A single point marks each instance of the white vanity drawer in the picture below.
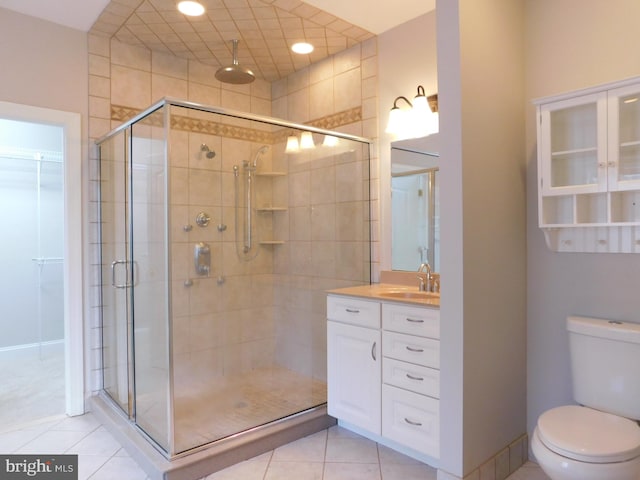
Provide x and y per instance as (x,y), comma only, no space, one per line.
(411,419)
(353,311)
(419,350)
(415,378)
(412,320)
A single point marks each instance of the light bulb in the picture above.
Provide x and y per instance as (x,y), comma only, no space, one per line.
(306,140)
(292,144)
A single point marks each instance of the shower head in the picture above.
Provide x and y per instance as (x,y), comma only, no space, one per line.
(234,73)
(209,153)
(262,150)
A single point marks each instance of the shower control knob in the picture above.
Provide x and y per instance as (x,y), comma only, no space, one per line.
(220,280)
(222,227)
(187,228)
(188,282)
(203,219)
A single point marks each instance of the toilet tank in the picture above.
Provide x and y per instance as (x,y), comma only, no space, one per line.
(605,364)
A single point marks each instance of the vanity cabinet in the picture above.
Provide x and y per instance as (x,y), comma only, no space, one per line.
(589,169)
(411,377)
(353,361)
(383,370)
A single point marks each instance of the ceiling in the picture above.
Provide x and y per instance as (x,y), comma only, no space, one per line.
(265,28)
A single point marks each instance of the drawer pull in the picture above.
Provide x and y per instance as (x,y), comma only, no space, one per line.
(415,320)
(415,424)
(351,310)
(415,350)
(373,351)
(411,377)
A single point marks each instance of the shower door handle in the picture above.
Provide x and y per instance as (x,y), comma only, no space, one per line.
(113,274)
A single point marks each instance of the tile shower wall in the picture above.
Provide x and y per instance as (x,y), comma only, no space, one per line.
(338,93)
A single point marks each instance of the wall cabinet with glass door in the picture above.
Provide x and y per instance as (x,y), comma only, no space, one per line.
(589,169)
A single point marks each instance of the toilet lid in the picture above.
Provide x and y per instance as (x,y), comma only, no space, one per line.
(589,435)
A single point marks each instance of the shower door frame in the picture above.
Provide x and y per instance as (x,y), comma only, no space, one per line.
(166,103)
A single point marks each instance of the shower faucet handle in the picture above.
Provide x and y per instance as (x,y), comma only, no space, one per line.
(202,258)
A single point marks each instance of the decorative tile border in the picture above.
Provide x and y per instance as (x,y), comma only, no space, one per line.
(122,114)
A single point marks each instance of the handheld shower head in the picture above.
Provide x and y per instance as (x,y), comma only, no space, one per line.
(261,151)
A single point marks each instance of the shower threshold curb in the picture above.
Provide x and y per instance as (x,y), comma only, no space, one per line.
(214,457)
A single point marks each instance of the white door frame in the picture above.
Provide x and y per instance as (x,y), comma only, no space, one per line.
(72,267)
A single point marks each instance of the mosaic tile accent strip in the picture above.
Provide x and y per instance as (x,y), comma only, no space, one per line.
(122,113)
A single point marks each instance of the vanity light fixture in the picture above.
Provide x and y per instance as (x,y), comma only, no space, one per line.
(191,8)
(398,119)
(420,120)
(302,48)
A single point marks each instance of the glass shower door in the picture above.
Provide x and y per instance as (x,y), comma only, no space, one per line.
(150,264)
(116,274)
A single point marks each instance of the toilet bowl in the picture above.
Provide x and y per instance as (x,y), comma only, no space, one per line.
(580,443)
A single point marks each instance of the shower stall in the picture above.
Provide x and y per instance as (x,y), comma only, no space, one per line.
(217,244)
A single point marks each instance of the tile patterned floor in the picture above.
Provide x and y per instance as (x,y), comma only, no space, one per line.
(333,454)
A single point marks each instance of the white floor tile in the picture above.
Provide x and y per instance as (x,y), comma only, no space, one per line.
(253,469)
(351,450)
(89,464)
(307,449)
(390,456)
(99,442)
(408,472)
(81,423)
(119,468)
(52,442)
(351,471)
(294,471)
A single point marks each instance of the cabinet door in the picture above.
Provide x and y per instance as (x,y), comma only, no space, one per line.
(572,138)
(354,375)
(624,138)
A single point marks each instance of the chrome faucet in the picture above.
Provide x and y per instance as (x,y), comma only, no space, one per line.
(425,286)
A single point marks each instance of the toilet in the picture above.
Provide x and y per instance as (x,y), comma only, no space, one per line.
(599,439)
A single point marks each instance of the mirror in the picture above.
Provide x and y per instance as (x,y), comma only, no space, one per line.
(415,206)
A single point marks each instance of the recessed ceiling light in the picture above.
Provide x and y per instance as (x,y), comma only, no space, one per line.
(193,9)
(302,47)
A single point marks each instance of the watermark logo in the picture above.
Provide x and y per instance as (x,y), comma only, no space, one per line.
(49,467)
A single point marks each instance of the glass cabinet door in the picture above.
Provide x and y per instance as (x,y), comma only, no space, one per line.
(573,142)
(624,138)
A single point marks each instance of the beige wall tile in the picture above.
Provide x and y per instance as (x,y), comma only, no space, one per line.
(130,87)
(130,56)
(163,86)
(321,99)
(347,90)
(169,65)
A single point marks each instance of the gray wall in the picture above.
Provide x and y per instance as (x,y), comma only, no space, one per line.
(571,44)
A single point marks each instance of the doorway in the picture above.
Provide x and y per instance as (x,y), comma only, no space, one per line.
(41,360)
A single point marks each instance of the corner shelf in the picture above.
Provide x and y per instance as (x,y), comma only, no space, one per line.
(272,209)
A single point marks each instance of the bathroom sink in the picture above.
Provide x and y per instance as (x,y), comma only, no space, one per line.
(409,294)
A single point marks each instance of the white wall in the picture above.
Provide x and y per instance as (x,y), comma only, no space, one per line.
(406,59)
(572,44)
(481,94)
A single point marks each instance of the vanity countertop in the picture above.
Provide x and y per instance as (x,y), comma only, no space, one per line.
(391,292)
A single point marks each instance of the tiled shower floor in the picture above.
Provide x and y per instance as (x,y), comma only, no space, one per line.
(234,403)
